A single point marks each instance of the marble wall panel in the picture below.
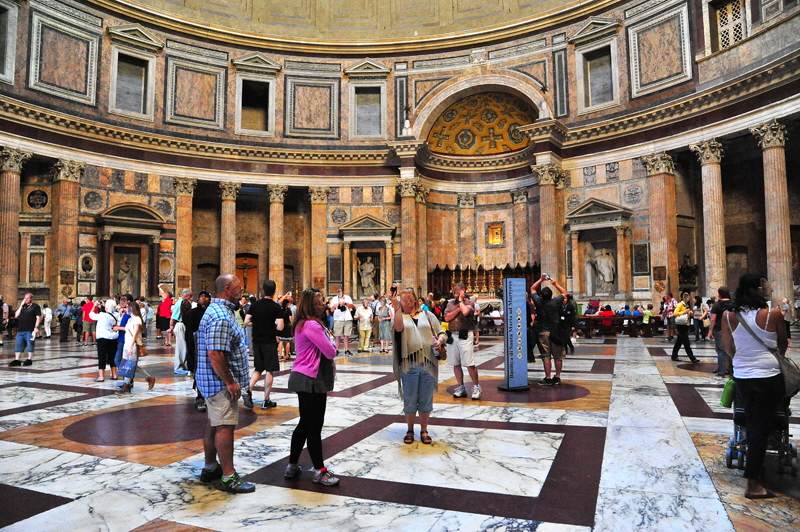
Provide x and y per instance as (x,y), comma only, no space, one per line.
(344,195)
(423,87)
(625,170)
(87,241)
(493,199)
(195,94)
(64,60)
(312,107)
(312,110)
(361,210)
(442,198)
(640,234)
(167,245)
(495,255)
(537,70)
(442,237)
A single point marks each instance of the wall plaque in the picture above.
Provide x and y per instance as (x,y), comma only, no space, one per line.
(659,273)
(66,277)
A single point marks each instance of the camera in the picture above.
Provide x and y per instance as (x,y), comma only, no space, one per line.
(548,278)
(342,307)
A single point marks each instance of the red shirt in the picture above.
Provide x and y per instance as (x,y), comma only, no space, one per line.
(606,314)
(87,308)
(165,308)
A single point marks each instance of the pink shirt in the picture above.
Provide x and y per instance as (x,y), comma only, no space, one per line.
(312,341)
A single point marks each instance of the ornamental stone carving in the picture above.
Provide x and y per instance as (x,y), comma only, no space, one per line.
(319,194)
(621,230)
(406,148)
(467,199)
(11,159)
(519,195)
(277,193)
(770,134)
(229,191)
(549,174)
(658,163)
(422,194)
(66,170)
(184,186)
(708,152)
(407,187)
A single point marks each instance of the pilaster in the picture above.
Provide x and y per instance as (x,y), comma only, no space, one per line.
(277,195)
(64,244)
(551,178)
(184,191)
(319,236)
(663,226)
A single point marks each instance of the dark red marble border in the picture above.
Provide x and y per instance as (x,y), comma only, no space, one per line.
(87,393)
(17,504)
(568,495)
(690,403)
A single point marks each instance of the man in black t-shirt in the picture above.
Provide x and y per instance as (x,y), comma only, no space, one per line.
(29,315)
(266,317)
(548,320)
(722,304)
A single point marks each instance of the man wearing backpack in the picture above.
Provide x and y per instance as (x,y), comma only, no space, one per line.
(550,333)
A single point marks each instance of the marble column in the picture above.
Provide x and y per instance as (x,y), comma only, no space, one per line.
(104,265)
(407,186)
(184,190)
(519,198)
(277,195)
(624,287)
(64,244)
(551,177)
(710,155)
(663,222)
(578,281)
(11,161)
(319,237)
(422,241)
(305,278)
(153,267)
(227,237)
(388,277)
(772,139)
(348,286)
(466,226)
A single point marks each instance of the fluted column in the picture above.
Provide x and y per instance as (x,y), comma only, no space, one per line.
(550,177)
(184,190)
(624,287)
(772,139)
(64,244)
(663,225)
(422,240)
(11,161)
(578,284)
(319,236)
(710,155)
(519,198)
(153,266)
(407,186)
(227,237)
(277,195)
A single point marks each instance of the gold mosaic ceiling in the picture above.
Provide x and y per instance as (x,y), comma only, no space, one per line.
(482,124)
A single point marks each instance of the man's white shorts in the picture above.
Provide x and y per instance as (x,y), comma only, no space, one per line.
(461,352)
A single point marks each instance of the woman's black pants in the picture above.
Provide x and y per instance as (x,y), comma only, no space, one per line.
(309,429)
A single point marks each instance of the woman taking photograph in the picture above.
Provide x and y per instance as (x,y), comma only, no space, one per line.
(311,378)
(683,316)
(418,336)
(759,382)
(106,338)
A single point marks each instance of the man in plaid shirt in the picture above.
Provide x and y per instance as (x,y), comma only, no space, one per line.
(222,372)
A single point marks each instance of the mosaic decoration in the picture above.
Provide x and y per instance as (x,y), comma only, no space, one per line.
(91,175)
(140,181)
(333,195)
(483,124)
(573,201)
(118,178)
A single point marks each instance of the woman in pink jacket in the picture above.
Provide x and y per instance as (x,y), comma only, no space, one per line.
(311,378)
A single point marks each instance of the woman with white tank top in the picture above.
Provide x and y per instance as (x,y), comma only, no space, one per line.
(759,383)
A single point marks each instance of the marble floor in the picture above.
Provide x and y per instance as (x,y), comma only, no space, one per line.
(629,441)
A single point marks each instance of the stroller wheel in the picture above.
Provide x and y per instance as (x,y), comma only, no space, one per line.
(728,458)
(740,460)
(731,443)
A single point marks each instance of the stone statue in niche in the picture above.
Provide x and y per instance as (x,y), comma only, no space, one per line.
(605,269)
(687,272)
(367,271)
(125,276)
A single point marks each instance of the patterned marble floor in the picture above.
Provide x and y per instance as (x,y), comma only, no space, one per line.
(630,441)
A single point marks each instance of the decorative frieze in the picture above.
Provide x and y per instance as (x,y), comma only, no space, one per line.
(708,152)
(658,163)
(12,159)
(770,134)
(184,186)
(277,193)
(467,199)
(319,194)
(66,170)
(229,191)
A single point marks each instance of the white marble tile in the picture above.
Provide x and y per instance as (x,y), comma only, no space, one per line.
(18,396)
(467,522)
(708,425)
(642,411)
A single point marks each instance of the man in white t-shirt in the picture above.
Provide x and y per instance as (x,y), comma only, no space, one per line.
(342,319)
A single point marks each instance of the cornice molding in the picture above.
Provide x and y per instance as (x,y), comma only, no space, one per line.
(447,163)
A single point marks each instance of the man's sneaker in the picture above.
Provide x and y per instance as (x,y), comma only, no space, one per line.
(27,362)
(200,404)
(460,391)
(292,470)
(247,399)
(476,392)
(208,476)
(325,478)
(545,382)
(348,353)
(267,404)
(235,484)
(14,362)
(181,372)
(556,380)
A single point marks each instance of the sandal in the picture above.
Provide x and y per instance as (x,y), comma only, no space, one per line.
(409,437)
(99,380)
(425,437)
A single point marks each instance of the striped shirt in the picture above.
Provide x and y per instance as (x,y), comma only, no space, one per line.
(219,331)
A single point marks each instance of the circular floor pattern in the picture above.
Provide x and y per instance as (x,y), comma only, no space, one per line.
(149,425)
(536,393)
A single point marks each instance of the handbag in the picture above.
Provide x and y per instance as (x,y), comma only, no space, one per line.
(706,323)
(128,368)
(789,370)
(683,319)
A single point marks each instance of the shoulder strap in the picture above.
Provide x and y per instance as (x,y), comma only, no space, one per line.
(754,335)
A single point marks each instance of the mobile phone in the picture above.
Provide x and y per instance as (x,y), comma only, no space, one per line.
(548,277)
(393,290)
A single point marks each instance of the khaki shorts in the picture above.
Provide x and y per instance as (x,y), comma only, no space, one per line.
(222,410)
(461,352)
(343,328)
(549,349)
(89,326)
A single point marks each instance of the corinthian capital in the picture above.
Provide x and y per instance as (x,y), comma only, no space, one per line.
(229,191)
(277,193)
(708,152)
(549,174)
(184,186)
(519,195)
(319,194)
(407,187)
(422,193)
(66,170)
(770,134)
(658,163)
(466,199)
(12,159)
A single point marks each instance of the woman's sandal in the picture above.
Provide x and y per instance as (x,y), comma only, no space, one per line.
(409,437)
(425,438)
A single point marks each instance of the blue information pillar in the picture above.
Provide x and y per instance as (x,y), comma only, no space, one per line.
(516,339)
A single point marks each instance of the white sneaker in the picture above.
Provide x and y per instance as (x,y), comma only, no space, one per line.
(326,478)
(460,391)
(476,392)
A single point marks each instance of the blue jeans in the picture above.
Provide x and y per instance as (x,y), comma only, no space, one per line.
(418,387)
(118,356)
(22,341)
(722,357)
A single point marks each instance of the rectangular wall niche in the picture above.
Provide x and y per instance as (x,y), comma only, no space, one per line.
(8,40)
(495,235)
(312,108)
(255,105)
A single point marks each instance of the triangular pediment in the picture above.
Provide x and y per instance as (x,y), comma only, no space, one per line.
(366,223)
(257,62)
(595,28)
(368,69)
(597,208)
(136,35)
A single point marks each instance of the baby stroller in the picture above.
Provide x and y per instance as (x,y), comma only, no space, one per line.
(736,453)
